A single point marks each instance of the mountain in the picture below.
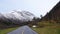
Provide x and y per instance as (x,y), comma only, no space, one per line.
(54,14)
(16,17)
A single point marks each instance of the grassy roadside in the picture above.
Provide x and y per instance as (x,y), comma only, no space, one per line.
(5,31)
(48,29)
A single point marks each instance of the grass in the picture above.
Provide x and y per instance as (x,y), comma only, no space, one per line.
(48,29)
(5,31)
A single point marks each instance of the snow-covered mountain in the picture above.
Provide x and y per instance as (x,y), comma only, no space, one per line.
(17,16)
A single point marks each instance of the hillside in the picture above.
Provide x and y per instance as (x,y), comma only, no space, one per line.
(54,14)
(15,18)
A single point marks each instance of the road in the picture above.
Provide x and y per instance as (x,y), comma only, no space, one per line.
(23,30)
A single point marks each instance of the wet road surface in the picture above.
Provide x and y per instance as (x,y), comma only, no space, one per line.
(23,30)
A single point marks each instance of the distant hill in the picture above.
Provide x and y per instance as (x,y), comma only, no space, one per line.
(54,14)
(16,17)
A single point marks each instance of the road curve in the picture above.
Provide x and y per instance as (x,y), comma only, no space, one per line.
(23,30)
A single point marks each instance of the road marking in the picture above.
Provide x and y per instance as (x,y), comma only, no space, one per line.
(23,32)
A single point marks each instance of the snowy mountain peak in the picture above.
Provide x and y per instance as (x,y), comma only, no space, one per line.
(18,15)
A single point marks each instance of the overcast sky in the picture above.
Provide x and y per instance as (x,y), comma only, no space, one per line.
(37,7)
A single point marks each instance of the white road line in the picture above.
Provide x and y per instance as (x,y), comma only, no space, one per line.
(23,32)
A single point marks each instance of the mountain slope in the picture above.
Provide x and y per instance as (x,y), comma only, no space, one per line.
(54,14)
(16,17)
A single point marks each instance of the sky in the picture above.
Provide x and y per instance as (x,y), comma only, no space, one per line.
(37,7)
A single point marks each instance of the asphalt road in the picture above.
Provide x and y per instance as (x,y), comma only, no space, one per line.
(23,30)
